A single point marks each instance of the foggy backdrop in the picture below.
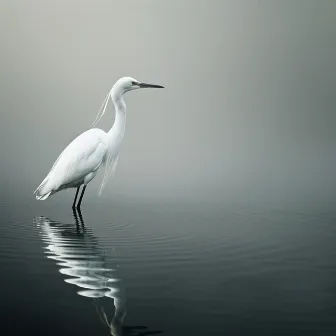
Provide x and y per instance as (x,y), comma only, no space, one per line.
(248,109)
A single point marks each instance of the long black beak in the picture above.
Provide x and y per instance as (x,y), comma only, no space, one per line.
(145,85)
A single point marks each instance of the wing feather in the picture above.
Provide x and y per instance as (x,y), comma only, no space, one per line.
(83,155)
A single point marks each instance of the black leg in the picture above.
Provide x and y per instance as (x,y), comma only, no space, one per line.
(76,218)
(81,218)
(81,197)
(74,202)
(76,213)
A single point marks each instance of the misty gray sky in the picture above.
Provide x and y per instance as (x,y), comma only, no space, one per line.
(248,106)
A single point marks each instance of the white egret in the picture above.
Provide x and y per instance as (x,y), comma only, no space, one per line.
(80,161)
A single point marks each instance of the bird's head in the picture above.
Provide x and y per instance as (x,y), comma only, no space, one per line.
(126,84)
(122,86)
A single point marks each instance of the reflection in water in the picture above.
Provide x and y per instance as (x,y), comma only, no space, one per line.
(80,258)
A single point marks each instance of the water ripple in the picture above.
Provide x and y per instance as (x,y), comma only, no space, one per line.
(80,259)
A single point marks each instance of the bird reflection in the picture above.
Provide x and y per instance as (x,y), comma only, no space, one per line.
(80,258)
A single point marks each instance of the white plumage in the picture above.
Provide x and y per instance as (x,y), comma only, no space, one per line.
(77,165)
(80,161)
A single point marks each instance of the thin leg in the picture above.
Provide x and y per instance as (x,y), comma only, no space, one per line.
(81,197)
(76,218)
(76,213)
(74,202)
(81,218)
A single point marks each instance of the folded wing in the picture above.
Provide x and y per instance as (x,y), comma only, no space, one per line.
(82,156)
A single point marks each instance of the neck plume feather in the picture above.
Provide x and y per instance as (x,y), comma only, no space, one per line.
(115,134)
(116,95)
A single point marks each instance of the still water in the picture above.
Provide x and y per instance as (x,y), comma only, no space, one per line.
(171,269)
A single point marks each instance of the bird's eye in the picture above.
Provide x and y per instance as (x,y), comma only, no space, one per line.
(134,83)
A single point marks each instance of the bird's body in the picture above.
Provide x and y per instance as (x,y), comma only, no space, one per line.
(80,161)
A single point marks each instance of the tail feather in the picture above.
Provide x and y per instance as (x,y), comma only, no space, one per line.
(44,181)
(43,197)
(43,191)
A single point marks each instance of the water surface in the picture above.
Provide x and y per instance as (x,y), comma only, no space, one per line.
(175,269)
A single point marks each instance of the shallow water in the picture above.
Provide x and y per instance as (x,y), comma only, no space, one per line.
(175,269)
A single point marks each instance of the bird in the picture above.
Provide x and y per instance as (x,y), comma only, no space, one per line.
(93,149)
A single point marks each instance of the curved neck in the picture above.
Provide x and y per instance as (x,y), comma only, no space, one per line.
(120,108)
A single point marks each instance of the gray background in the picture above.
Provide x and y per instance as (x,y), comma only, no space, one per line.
(247,113)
